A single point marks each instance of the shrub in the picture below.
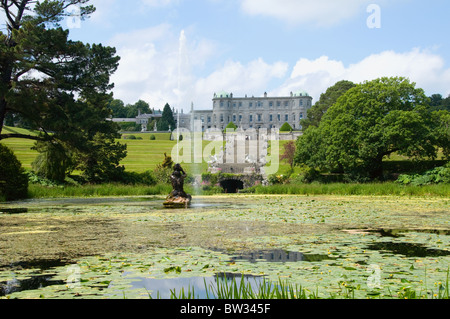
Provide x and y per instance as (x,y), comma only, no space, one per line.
(306,174)
(210,178)
(162,174)
(148,178)
(152,137)
(278,179)
(13,179)
(231,126)
(130,127)
(53,162)
(35,179)
(167,162)
(439,175)
(134,178)
(212,190)
(286,128)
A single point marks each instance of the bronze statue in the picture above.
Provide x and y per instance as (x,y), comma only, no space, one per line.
(178,197)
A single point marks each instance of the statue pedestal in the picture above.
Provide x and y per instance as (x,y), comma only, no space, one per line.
(177,202)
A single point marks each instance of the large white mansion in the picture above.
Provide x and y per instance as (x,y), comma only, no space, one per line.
(250,112)
(245,112)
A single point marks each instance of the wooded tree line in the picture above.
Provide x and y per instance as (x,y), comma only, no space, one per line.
(353,127)
(120,110)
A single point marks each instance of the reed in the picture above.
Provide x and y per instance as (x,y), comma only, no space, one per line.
(376,189)
(228,290)
(103,190)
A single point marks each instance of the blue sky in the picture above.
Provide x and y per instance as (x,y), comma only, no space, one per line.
(182,51)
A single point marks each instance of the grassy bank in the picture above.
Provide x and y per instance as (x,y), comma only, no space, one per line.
(39,191)
(376,189)
(373,189)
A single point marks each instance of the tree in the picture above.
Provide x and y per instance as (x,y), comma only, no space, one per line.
(118,108)
(370,121)
(167,120)
(132,111)
(327,100)
(13,179)
(102,162)
(53,161)
(289,153)
(442,131)
(56,86)
(439,103)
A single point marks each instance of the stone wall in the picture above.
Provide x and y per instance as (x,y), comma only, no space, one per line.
(292,136)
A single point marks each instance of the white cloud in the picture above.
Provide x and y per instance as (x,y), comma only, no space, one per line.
(159,65)
(318,12)
(106,13)
(420,66)
(148,66)
(239,79)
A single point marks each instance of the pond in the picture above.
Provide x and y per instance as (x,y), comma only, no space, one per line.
(132,247)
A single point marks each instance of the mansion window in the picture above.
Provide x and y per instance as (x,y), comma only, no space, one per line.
(286,118)
(270,118)
(259,117)
(251,118)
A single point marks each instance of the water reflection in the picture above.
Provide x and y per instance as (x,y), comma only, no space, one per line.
(32,283)
(397,233)
(276,256)
(13,211)
(163,288)
(408,249)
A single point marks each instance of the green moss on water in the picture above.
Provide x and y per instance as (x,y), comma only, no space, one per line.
(354,247)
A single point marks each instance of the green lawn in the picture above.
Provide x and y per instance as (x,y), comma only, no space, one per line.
(143,154)
(21,147)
